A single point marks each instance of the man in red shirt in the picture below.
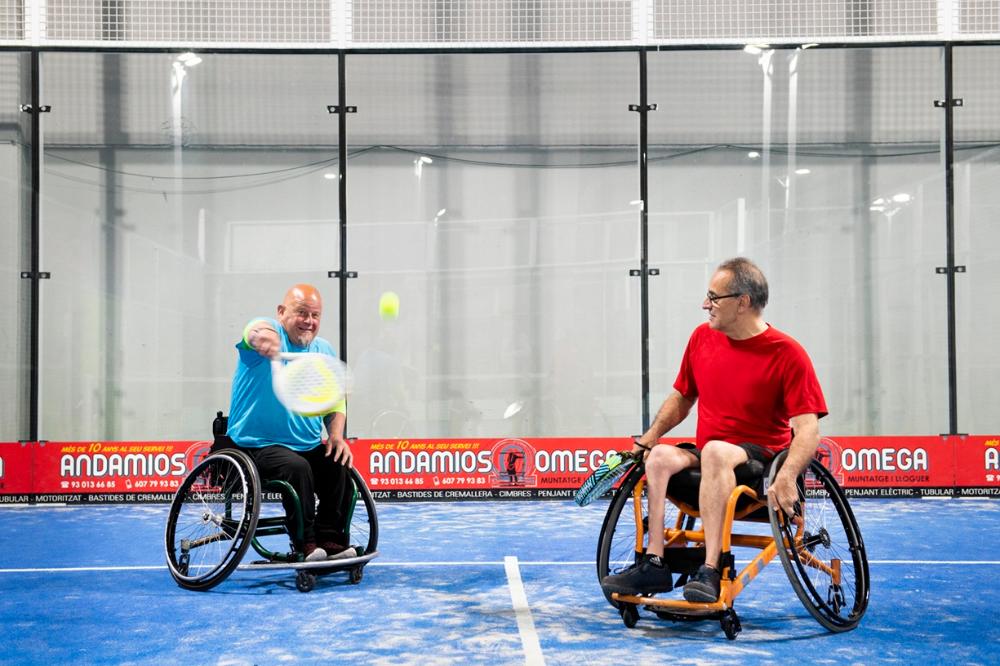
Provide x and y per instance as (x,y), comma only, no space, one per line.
(757,394)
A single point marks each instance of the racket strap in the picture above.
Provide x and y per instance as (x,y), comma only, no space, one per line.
(635,440)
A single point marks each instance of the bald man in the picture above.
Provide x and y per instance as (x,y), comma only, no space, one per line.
(287,446)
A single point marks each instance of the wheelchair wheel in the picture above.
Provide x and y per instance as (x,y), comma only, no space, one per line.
(212,519)
(616,547)
(363,528)
(825,559)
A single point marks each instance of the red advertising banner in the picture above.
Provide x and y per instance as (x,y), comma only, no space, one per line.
(890,466)
(977,465)
(16,471)
(111,472)
(481,468)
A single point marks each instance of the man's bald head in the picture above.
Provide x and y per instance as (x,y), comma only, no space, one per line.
(302,293)
(300,313)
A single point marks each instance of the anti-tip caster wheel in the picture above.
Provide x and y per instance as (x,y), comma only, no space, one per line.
(305,581)
(730,622)
(356,574)
(629,613)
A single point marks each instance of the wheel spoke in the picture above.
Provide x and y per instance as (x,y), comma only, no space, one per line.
(827,565)
(213,512)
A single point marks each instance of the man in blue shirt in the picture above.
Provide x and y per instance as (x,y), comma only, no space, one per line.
(288,446)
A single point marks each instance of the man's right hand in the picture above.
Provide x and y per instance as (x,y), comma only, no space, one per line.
(641,449)
(265,341)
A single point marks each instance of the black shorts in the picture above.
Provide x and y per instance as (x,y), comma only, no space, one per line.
(753,451)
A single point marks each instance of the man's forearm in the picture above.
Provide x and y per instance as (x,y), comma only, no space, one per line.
(804,444)
(673,410)
(335,424)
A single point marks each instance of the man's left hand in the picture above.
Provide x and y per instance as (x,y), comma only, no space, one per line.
(340,449)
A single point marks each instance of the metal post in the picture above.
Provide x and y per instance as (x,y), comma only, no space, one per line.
(36,241)
(951,269)
(342,172)
(644,236)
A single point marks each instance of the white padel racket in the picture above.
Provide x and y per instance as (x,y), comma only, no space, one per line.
(310,384)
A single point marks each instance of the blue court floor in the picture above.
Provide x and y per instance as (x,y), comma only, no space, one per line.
(476,583)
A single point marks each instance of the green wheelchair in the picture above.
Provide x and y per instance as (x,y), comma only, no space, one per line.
(216,517)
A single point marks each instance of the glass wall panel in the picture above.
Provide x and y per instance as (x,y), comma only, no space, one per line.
(182,196)
(824,167)
(15,251)
(495,194)
(977,236)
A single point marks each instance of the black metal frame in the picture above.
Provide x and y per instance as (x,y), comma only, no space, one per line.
(643,108)
(35,274)
(36,238)
(948,104)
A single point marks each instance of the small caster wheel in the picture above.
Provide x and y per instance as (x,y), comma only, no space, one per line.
(835,598)
(356,574)
(730,622)
(183,563)
(630,614)
(305,581)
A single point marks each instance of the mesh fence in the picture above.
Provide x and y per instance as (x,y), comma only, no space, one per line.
(489,23)
(11,20)
(492,21)
(770,20)
(190,21)
(977,17)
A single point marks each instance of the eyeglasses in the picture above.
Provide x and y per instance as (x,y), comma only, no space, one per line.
(715,298)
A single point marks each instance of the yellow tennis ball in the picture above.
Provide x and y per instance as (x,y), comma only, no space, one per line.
(388,305)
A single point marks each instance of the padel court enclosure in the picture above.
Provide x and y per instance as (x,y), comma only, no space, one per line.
(547,190)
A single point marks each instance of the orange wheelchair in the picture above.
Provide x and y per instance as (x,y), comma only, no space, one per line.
(823,554)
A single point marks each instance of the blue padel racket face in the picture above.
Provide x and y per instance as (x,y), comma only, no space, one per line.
(310,384)
(613,468)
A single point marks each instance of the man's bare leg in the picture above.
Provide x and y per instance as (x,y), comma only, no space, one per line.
(652,575)
(662,463)
(718,479)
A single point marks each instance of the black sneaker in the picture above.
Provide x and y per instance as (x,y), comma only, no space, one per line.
(650,576)
(704,585)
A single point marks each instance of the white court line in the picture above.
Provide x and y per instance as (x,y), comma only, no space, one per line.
(162,567)
(157,567)
(525,623)
(961,562)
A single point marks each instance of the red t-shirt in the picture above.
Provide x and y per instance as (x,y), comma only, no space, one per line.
(748,389)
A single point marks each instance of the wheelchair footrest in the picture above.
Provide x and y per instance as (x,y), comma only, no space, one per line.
(326,565)
(679,606)
(684,560)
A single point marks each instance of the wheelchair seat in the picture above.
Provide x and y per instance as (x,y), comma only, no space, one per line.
(684,486)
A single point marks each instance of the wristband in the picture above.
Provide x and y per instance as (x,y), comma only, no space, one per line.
(253,326)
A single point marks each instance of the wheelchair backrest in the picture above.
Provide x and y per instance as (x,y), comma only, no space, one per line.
(220,426)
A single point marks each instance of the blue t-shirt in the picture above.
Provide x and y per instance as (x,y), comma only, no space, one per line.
(256,418)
